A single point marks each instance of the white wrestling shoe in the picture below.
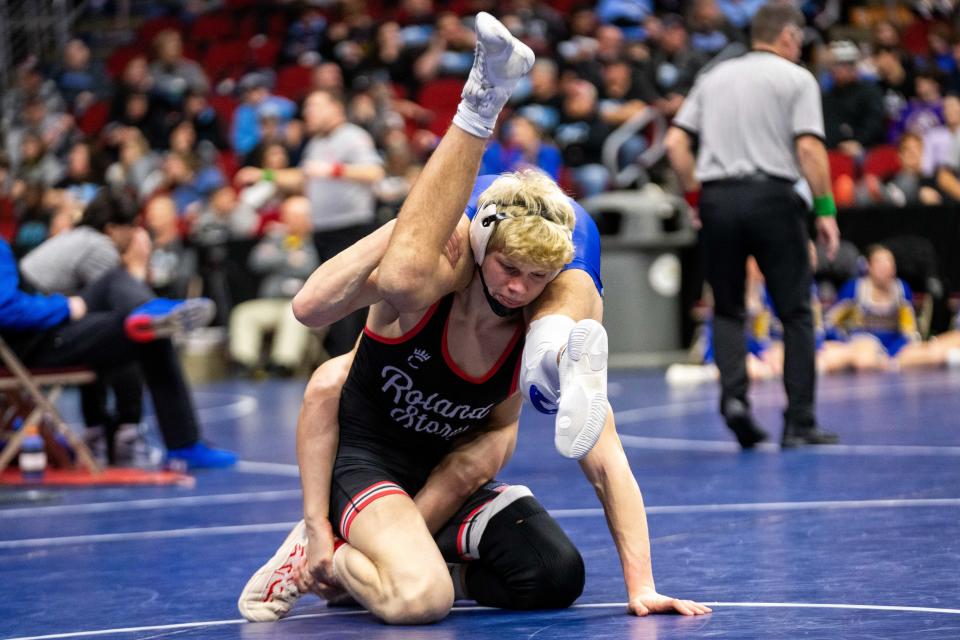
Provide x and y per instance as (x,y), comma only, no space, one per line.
(583,404)
(499,62)
(271,592)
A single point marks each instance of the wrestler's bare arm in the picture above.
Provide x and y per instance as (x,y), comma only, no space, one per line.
(474,461)
(349,280)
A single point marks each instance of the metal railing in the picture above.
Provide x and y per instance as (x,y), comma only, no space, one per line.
(38,28)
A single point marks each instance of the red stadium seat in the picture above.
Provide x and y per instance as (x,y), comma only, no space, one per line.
(882,161)
(264,51)
(224,106)
(94,118)
(293,81)
(152,27)
(229,164)
(441,94)
(841,164)
(119,57)
(213,26)
(226,59)
(915,38)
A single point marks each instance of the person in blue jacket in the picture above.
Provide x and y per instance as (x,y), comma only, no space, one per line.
(93,330)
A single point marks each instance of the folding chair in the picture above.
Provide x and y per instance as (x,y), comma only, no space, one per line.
(22,389)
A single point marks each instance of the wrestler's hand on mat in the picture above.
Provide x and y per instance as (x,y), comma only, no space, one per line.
(646,600)
(316,573)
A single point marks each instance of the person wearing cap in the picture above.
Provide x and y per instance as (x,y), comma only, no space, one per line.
(852,108)
(258,103)
(758,122)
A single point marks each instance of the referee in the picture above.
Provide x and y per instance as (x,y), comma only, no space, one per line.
(758,123)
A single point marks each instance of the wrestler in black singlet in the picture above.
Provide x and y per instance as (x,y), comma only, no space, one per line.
(403,407)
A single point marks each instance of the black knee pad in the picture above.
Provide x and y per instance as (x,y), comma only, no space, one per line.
(537,562)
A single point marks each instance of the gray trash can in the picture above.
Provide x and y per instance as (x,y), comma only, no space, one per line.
(642,232)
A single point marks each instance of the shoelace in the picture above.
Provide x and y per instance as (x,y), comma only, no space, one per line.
(285,587)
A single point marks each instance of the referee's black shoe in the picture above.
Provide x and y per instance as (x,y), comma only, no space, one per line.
(741,422)
(797,436)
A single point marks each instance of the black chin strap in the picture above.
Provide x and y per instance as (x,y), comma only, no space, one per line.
(501,310)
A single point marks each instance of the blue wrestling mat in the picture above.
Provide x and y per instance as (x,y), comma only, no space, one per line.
(860,540)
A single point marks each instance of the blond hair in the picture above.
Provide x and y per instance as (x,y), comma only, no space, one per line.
(539,225)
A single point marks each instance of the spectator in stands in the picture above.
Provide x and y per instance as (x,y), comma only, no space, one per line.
(172,265)
(852,108)
(104,263)
(84,173)
(55,331)
(710,30)
(523,148)
(33,215)
(875,315)
(80,79)
(580,136)
(887,34)
(328,76)
(450,52)
(607,45)
(139,113)
(543,25)
(545,101)
(923,112)
(135,79)
(740,12)
(55,129)
(417,17)
(137,169)
(183,140)
(338,169)
(305,35)
(941,145)
(623,95)
(200,113)
(402,168)
(35,163)
(173,74)
(391,59)
(30,86)
(264,194)
(940,52)
(895,80)
(257,99)
(909,185)
(952,82)
(628,15)
(285,258)
(225,218)
(673,65)
(188,182)
(581,47)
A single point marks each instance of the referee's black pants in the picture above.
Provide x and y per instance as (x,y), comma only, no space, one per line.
(766,219)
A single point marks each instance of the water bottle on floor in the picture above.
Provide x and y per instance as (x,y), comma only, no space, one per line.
(33,456)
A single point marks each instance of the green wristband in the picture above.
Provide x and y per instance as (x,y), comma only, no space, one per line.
(825,206)
(267,174)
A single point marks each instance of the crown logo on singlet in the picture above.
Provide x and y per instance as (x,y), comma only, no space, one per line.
(418,357)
